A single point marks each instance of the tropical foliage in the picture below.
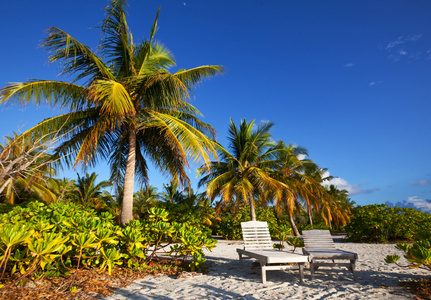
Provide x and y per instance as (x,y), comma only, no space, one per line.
(261,172)
(336,208)
(58,239)
(298,186)
(129,108)
(418,254)
(144,199)
(381,223)
(244,171)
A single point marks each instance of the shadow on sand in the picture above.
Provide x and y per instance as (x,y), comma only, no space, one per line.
(226,270)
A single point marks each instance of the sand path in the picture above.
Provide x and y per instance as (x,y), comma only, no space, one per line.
(227,279)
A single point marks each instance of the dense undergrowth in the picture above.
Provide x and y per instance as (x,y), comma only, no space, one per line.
(381,223)
(59,240)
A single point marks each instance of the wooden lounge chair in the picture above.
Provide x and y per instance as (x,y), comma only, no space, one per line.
(258,245)
(320,246)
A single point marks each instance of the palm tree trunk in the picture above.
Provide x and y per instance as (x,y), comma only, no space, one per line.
(252,210)
(129,181)
(309,215)
(292,223)
(329,220)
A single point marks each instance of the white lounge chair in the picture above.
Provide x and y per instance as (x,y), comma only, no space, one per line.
(320,246)
(258,245)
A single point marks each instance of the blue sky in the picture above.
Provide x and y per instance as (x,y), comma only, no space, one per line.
(348,80)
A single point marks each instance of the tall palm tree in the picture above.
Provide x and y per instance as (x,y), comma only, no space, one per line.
(337,208)
(298,185)
(318,174)
(245,170)
(129,108)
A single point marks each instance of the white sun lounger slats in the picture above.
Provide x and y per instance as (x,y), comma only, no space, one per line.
(258,245)
(320,246)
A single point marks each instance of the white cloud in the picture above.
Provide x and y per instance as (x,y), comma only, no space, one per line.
(421,204)
(342,184)
(397,48)
(349,65)
(302,156)
(395,43)
(402,40)
(422,182)
(414,202)
(373,83)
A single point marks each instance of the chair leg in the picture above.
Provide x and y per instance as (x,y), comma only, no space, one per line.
(352,269)
(301,272)
(263,273)
(240,259)
(312,269)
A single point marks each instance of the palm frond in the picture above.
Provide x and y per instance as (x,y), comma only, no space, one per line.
(195,144)
(112,98)
(55,93)
(75,57)
(117,40)
(191,77)
(150,58)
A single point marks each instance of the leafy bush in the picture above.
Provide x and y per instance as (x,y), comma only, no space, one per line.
(198,216)
(229,225)
(52,240)
(381,223)
(418,254)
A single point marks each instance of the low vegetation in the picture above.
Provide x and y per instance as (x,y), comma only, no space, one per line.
(381,223)
(38,240)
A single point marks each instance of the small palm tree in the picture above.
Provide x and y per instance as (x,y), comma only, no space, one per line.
(88,192)
(187,205)
(145,198)
(129,108)
(63,189)
(244,171)
(170,193)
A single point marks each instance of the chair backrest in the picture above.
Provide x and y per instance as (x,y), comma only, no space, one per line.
(256,235)
(318,240)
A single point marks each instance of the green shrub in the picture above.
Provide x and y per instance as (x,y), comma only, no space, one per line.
(51,240)
(381,223)
(418,254)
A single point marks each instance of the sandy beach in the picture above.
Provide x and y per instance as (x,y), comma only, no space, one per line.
(227,279)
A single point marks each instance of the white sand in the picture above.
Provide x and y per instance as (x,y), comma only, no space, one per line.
(228,280)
